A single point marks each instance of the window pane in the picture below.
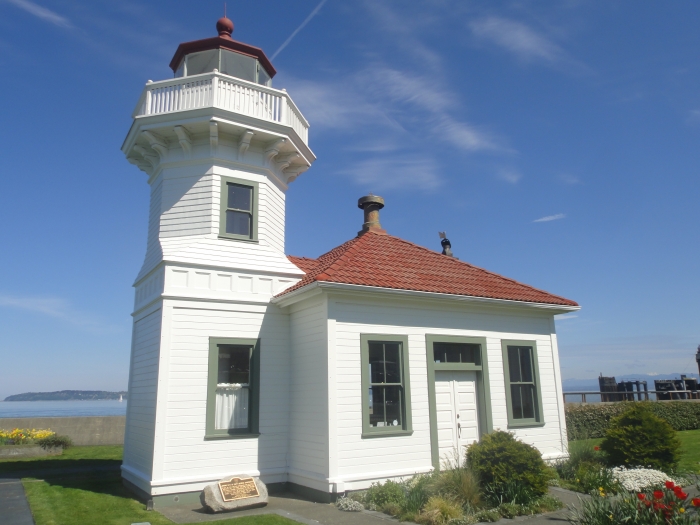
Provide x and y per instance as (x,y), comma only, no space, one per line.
(514,364)
(516,401)
(234,364)
(238,223)
(239,197)
(526,364)
(457,353)
(376,414)
(527,394)
(394,405)
(237,65)
(376,363)
(393,365)
(203,62)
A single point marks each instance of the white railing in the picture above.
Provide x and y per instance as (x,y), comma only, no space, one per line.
(225,92)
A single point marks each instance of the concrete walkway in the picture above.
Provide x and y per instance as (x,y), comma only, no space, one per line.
(14,509)
(302,511)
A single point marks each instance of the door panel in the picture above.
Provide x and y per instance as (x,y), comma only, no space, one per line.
(457,412)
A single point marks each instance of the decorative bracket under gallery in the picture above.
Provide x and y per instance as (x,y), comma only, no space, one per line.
(185,140)
(282,162)
(158,143)
(294,171)
(244,142)
(273,149)
(147,155)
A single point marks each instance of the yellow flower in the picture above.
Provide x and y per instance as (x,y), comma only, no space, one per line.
(681,510)
(600,489)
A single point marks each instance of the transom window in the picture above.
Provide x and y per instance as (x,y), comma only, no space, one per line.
(522,383)
(457,353)
(238,209)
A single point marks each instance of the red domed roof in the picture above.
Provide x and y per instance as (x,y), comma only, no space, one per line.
(224,27)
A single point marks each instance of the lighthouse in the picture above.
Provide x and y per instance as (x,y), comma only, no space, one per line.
(219,146)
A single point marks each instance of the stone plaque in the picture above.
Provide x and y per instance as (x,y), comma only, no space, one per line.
(238,488)
(234,493)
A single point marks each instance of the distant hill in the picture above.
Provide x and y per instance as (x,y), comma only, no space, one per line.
(67,395)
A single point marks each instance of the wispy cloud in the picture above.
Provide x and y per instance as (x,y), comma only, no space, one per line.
(568,178)
(42,13)
(549,218)
(301,26)
(694,116)
(517,38)
(380,174)
(54,307)
(509,175)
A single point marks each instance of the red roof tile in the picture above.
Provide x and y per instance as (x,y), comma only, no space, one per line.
(385,261)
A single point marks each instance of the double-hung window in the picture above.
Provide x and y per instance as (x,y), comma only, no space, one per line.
(238,209)
(386,399)
(233,387)
(523,395)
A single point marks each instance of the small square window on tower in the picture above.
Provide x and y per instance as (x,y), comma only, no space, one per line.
(238,209)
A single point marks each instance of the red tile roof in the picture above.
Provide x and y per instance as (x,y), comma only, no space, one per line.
(385,261)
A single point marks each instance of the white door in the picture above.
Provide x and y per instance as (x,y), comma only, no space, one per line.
(457,415)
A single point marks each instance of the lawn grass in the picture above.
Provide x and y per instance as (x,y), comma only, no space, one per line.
(93,497)
(690,450)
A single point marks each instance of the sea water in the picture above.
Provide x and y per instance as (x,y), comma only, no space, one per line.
(61,408)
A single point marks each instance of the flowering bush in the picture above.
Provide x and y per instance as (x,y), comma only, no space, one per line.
(349,505)
(668,505)
(23,436)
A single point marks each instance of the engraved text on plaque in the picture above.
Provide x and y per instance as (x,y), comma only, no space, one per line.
(238,488)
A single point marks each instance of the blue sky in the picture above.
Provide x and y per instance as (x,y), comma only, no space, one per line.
(556,143)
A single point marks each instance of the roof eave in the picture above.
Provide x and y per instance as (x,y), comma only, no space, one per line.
(312,289)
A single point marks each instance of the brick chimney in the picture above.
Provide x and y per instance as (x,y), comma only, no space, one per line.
(371,204)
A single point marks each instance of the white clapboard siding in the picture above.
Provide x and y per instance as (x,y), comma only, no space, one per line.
(360,459)
(185,210)
(308,440)
(187,455)
(143,383)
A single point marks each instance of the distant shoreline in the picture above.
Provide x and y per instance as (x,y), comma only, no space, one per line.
(69,395)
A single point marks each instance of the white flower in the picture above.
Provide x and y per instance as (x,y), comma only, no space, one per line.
(349,505)
(638,479)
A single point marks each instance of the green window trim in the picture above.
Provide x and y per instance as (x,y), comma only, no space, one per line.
(223,208)
(406,428)
(483,387)
(538,420)
(254,391)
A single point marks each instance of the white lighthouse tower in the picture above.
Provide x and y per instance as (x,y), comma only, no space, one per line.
(220,146)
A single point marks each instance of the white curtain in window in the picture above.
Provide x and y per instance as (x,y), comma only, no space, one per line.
(231,406)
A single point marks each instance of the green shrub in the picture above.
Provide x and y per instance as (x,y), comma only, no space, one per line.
(417,495)
(55,441)
(380,494)
(439,511)
(591,477)
(392,509)
(592,420)
(458,481)
(500,461)
(640,438)
(580,452)
(509,510)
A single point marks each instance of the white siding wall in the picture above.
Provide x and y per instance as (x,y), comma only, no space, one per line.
(143,383)
(308,440)
(188,460)
(185,214)
(360,461)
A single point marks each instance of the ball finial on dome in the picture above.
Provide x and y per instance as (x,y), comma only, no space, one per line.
(225,27)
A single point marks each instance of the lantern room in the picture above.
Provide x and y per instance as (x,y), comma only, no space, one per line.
(225,55)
